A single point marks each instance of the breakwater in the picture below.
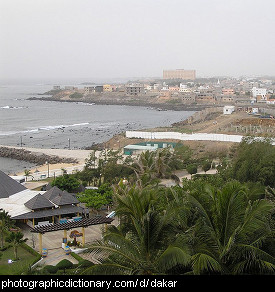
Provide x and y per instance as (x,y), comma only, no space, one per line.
(35,158)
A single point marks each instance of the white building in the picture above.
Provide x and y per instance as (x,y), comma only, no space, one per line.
(258,91)
(184,88)
(228,109)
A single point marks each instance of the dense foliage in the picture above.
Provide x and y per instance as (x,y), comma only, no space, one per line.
(254,161)
(211,224)
(66,182)
(215,224)
(96,198)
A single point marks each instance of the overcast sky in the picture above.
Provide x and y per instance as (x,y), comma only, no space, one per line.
(130,38)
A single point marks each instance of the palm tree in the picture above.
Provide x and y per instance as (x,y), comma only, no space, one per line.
(229,231)
(5,224)
(16,238)
(142,243)
(152,166)
(27,173)
(162,160)
(199,230)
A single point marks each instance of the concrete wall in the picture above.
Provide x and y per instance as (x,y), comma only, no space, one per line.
(185,137)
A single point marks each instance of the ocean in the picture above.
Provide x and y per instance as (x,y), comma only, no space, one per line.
(50,124)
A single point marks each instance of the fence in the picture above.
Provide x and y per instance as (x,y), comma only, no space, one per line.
(185,137)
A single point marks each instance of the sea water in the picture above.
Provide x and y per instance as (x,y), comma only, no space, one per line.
(51,124)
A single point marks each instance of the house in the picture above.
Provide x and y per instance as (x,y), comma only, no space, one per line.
(146,146)
(205,97)
(259,93)
(135,89)
(37,207)
(89,89)
(9,186)
(107,88)
(228,110)
(228,91)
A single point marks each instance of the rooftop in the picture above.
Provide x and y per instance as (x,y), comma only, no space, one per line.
(9,186)
(73,224)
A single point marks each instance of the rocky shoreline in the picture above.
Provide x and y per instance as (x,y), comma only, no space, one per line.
(127,102)
(38,159)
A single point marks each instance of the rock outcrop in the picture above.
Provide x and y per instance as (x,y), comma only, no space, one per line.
(38,159)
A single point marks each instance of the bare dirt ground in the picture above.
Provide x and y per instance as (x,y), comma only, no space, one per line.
(236,123)
(208,126)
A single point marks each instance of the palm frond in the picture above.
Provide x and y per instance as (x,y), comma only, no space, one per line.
(203,263)
(172,257)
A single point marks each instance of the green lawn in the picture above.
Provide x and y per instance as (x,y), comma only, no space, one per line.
(16,268)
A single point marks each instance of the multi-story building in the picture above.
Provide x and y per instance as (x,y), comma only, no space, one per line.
(93,89)
(174,88)
(135,89)
(179,74)
(70,87)
(107,88)
(227,98)
(188,98)
(205,97)
(99,88)
(89,89)
(184,88)
(259,91)
(228,91)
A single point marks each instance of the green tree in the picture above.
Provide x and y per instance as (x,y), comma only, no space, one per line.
(90,162)
(142,243)
(181,156)
(206,166)
(66,182)
(96,198)
(229,231)
(27,173)
(199,229)
(151,166)
(254,161)
(64,265)
(192,169)
(5,224)
(16,238)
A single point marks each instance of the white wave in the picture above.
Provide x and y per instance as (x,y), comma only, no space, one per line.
(47,128)
(12,107)
(44,128)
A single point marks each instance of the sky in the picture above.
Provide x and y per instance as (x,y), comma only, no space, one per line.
(136,38)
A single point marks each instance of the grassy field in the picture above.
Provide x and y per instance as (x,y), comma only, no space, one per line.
(15,268)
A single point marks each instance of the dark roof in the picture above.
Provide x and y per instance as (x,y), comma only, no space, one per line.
(52,193)
(38,202)
(74,224)
(60,197)
(9,186)
(64,198)
(49,212)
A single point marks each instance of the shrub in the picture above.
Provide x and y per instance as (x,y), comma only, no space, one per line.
(85,264)
(50,269)
(192,169)
(64,264)
(206,166)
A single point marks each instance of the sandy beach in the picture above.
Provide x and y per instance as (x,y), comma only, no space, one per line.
(45,170)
